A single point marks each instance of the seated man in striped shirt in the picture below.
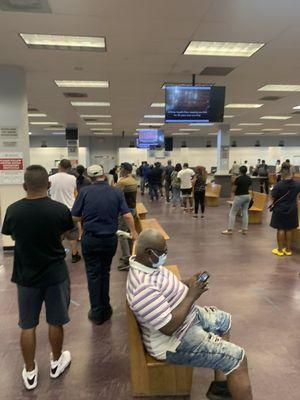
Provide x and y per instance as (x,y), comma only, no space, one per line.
(175,329)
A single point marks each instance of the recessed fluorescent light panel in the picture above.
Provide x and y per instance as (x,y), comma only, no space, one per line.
(189,130)
(199,124)
(276,117)
(224,49)
(280,88)
(250,124)
(58,133)
(94,116)
(150,124)
(37,115)
(288,133)
(90,104)
(158,105)
(29,133)
(243,105)
(235,129)
(101,129)
(61,42)
(82,84)
(296,108)
(180,134)
(213,134)
(292,124)
(229,116)
(253,133)
(44,123)
(272,130)
(99,123)
(103,133)
(154,116)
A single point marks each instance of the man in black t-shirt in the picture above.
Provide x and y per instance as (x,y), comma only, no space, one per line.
(167,174)
(36,224)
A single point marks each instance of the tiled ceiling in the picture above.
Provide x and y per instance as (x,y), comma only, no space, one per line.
(145,44)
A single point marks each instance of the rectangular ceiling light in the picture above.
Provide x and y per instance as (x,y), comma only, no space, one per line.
(190,130)
(154,116)
(44,123)
(94,116)
(296,108)
(250,124)
(276,117)
(99,123)
(103,133)
(61,42)
(235,129)
(101,129)
(229,116)
(253,133)
(90,103)
(180,134)
(292,124)
(213,134)
(158,105)
(288,133)
(150,124)
(280,88)
(241,105)
(36,115)
(82,84)
(58,133)
(271,130)
(200,124)
(224,49)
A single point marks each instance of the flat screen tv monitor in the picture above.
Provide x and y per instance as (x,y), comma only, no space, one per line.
(188,104)
(150,139)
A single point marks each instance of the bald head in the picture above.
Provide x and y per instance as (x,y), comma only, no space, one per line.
(148,240)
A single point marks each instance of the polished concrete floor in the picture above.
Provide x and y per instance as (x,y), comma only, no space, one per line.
(261,291)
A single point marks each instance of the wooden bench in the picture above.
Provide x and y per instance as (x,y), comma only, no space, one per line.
(212,194)
(141,210)
(151,377)
(256,211)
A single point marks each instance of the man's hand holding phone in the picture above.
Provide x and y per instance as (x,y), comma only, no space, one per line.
(198,285)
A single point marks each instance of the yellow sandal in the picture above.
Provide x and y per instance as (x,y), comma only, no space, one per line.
(277,252)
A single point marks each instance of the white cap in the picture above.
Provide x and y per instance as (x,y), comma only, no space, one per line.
(95,170)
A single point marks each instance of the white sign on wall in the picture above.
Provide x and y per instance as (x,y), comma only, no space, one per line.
(9,138)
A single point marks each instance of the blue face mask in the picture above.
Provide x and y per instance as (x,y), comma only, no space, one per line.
(161,260)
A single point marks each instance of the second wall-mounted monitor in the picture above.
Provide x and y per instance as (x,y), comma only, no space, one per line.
(150,138)
(191,104)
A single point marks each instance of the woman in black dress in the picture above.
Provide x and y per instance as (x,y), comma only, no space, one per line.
(285,212)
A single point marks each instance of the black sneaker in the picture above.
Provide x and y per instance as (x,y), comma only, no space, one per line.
(75,258)
(218,391)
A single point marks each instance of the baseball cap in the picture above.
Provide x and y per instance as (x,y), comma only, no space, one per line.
(95,170)
(127,166)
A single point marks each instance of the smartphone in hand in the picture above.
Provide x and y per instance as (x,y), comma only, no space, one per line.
(203,277)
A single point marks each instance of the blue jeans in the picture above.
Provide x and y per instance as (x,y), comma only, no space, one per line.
(240,203)
(153,191)
(175,195)
(98,253)
(202,345)
(142,183)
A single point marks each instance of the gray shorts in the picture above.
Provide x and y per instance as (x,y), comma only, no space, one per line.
(73,234)
(57,301)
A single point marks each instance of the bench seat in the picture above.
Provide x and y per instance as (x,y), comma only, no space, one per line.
(212,194)
(141,210)
(152,223)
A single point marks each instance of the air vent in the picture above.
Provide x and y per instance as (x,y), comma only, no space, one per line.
(33,6)
(91,119)
(216,71)
(75,94)
(271,98)
(31,109)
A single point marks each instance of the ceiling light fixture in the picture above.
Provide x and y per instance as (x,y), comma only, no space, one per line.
(94,116)
(61,42)
(103,133)
(235,129)
(280,88)
(292,124)
(158,105)
(190,130)
(29,133)
(276,117)
(253,133)
(101,129)
(243,105)
(37,115)
(229,116)
(224,49)
(180,134)
(43,123)
(271,130)
(150,124)
(90,104)
(82,84)
(99,123)
(200,124)
(154,116)
(288,133)
(250,124)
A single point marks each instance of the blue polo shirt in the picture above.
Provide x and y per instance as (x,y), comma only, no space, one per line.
(99,206)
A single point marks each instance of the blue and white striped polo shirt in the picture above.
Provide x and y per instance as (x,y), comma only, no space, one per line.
(152,295)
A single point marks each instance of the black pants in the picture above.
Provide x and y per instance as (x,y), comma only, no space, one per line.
(98,254)
(199,198)
(264,182)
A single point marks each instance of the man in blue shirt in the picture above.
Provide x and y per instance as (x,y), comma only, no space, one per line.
(98,207)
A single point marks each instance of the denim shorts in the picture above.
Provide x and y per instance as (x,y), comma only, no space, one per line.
(202,345)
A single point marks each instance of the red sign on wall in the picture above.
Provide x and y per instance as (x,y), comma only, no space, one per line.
(11,164)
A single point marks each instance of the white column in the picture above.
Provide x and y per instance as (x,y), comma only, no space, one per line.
(14,138)
(223,146)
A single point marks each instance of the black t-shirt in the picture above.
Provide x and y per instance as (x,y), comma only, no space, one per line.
(243,184)
(37,226)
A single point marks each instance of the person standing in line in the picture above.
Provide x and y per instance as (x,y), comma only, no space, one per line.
(64,189)
(278,170)
(167,175)
(114,174)
(36,224)
(175,183)
(241,201)
(235,169)
(127,185)
(160,171)
(199,183)
(143,170)
(98,206)
(285,212)
(263,173)
(154,181)
(81,180)
(186,176)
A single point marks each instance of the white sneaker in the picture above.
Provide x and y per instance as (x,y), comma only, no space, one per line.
(58,367)
(30,378)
